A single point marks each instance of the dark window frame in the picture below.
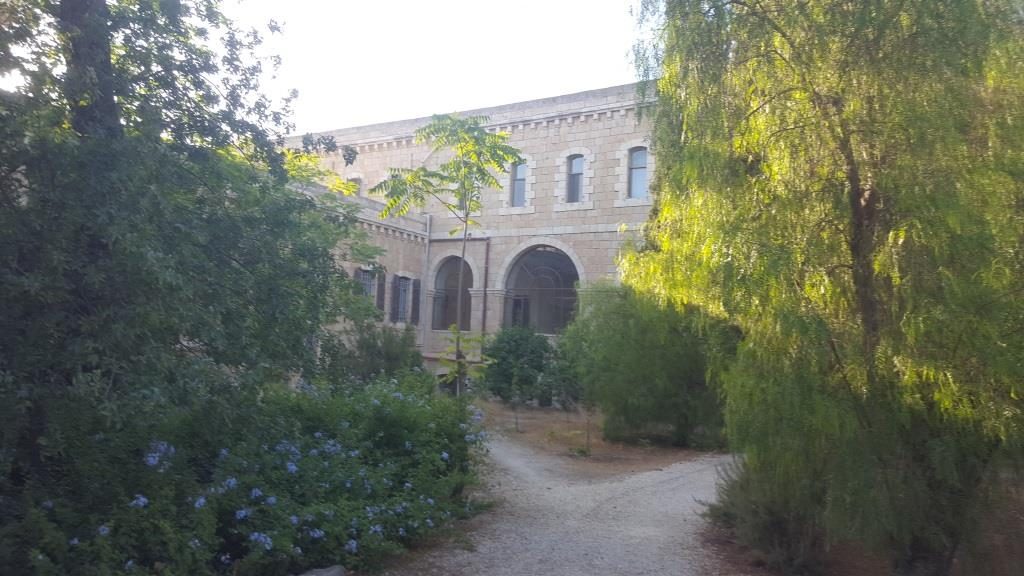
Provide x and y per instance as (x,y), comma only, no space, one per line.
(515,178)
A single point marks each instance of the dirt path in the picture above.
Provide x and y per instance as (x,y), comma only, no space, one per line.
(552,519)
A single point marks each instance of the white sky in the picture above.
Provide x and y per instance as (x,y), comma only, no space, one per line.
(358,62)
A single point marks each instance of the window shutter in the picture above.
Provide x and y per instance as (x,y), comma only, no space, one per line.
(380,289)
(396,294)
(414,314)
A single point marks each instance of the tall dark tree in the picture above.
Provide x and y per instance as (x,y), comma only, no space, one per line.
(152,253)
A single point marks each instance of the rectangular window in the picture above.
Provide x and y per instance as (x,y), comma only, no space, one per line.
(575,180)
(518,193)
(366,281)
(638,173)
(404,288)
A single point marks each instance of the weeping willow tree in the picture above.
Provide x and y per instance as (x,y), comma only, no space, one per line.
(845,181)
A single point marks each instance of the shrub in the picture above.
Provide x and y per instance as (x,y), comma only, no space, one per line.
(284,482)
(650,368)
(367,352)
(517,358)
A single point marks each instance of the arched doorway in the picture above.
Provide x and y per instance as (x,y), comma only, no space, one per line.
(446,290)
(540,290)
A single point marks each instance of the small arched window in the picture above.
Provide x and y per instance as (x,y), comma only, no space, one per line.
(638,172)
(574,182)
(517,194)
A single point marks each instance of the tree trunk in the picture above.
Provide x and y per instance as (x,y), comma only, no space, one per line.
(89,81)
(460,359)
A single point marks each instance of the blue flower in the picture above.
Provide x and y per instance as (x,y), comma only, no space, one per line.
(296,550)
(261,539)
(243,513)
(73,542)
(398,395)
(139,501)
(159,452)
(200,502)
(318,434)
(353,453)
(47,504)
(316,533)
(255,493)
(103,530)
(271,500)
(194,543)
(401,532)
(444,456)
(225,558)
(430,501)
(129,564)
(291,467)
(407,485)
(352,547)
(470,438)
(377,529)
(430,522)
(294,520)
(230,483)
(314,452)
(375,402)
(224,453)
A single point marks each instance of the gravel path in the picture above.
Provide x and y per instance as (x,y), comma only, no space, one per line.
(551,520)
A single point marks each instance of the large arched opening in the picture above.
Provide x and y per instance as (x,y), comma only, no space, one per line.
(540,290)
(446,290)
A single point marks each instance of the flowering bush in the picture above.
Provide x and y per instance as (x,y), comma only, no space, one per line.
(286,482)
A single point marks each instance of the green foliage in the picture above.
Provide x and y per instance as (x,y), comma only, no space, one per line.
(475,157)
(162,279)
(292,481)
(517,358)
(652,369)
(843,180)
(368,352)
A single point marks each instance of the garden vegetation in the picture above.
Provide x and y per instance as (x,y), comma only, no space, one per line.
(170,401)
(845,182)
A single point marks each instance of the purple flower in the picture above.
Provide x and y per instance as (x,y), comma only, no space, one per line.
(261,539)
(352,547)
(139,501)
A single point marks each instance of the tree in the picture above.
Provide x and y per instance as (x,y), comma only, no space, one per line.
(153,257)
(476,155)
(843,180)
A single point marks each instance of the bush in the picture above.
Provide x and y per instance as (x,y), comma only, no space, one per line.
(368,352)
(285,482)
(650,368)
(517,359)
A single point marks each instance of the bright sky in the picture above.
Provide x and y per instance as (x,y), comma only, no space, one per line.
(358,62)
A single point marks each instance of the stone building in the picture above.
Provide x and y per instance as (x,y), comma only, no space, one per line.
(558,221)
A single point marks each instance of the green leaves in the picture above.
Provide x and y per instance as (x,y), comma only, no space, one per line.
(837,178)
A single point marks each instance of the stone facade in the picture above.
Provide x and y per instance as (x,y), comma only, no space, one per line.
(576,240)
